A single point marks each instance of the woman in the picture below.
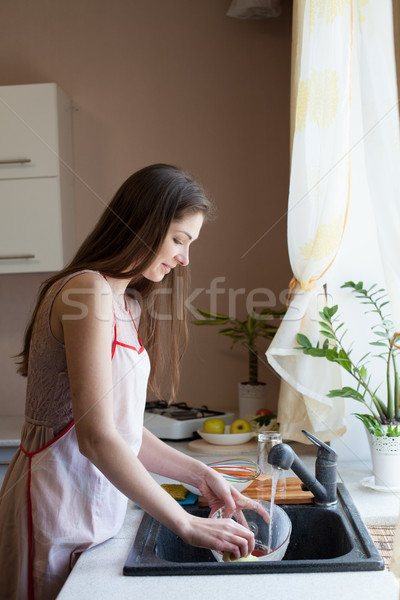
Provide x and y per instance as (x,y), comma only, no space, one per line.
(84,450)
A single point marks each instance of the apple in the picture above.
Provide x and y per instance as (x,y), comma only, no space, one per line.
(240,426)
(214,425)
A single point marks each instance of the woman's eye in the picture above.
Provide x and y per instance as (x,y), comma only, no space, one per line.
(178,241)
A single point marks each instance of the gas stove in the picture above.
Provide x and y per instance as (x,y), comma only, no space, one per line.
(178,421)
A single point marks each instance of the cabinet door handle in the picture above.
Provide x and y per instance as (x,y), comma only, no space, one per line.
(15,256)
(15,161)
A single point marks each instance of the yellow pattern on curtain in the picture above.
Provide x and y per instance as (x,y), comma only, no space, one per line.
(344,96)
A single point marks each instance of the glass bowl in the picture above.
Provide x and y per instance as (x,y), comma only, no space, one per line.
(270,542)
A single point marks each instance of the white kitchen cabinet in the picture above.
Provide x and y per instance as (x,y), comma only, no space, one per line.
(36,178)
(10,436)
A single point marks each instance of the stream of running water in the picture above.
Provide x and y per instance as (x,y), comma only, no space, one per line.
(275,477)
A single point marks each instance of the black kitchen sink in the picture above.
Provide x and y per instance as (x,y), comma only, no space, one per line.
(323,539)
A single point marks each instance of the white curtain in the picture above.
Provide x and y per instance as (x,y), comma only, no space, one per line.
(345,153)
(380,122)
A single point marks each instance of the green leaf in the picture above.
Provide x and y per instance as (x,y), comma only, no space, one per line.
(229,331)
(325,320)
(393,431)
(303,340)
(326,329)
(325,325)
(318,352)
(264,420)
(349,284)
(273,313)
(364,357)
(325,313)
(331,354)
(346,392)
(344,360)
(372,424)
(208,322)
(329,311)
(336,394)
(333,310)
(328,334)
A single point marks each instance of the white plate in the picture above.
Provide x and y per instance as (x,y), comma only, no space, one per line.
(226,439)
(369,482)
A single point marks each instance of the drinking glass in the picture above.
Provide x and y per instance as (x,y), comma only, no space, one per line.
(266,441)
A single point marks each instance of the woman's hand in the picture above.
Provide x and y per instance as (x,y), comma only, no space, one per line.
(223,534)
(218,534)
(219,493)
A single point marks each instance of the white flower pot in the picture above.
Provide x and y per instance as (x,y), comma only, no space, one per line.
(385,454)
(251,399)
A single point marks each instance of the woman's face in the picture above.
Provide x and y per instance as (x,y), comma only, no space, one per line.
(175,248)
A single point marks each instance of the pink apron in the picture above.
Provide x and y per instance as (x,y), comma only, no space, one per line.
(71,505)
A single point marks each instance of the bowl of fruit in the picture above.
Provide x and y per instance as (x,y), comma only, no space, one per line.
(214,431)
(271,536)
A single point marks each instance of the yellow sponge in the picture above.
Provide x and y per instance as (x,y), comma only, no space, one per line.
(228,558)
(177,491)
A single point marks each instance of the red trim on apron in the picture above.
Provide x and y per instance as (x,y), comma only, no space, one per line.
(52,441)
(116,342)
(29,505)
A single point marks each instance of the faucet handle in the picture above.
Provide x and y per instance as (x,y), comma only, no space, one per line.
(324,451)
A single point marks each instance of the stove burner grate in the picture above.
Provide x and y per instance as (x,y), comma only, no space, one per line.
(180,411)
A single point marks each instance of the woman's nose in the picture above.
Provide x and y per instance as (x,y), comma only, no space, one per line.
(183,258)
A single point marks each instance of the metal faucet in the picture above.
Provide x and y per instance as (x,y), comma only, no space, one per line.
(323,483)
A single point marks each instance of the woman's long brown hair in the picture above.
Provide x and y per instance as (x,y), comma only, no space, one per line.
(123,244)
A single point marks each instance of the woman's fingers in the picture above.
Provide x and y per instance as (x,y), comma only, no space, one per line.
(246,503)
(237,539)
(240,518)
(258,508)
(222,535)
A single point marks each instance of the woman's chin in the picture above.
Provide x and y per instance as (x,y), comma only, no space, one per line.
(154,278)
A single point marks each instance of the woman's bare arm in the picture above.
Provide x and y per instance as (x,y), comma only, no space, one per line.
(84,309)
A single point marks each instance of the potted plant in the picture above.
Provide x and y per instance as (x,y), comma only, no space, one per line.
(252,393)
(382,402)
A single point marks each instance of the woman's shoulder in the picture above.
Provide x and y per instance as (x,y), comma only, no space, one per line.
(81,291)
(87,280)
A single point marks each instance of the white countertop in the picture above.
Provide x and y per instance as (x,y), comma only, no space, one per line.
(98,573)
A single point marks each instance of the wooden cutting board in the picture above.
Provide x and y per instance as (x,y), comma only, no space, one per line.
(217,450)
(260,489)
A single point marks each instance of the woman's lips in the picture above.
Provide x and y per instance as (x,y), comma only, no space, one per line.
(166,268)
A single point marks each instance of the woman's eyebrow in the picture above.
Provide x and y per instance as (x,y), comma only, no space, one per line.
(186,233)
